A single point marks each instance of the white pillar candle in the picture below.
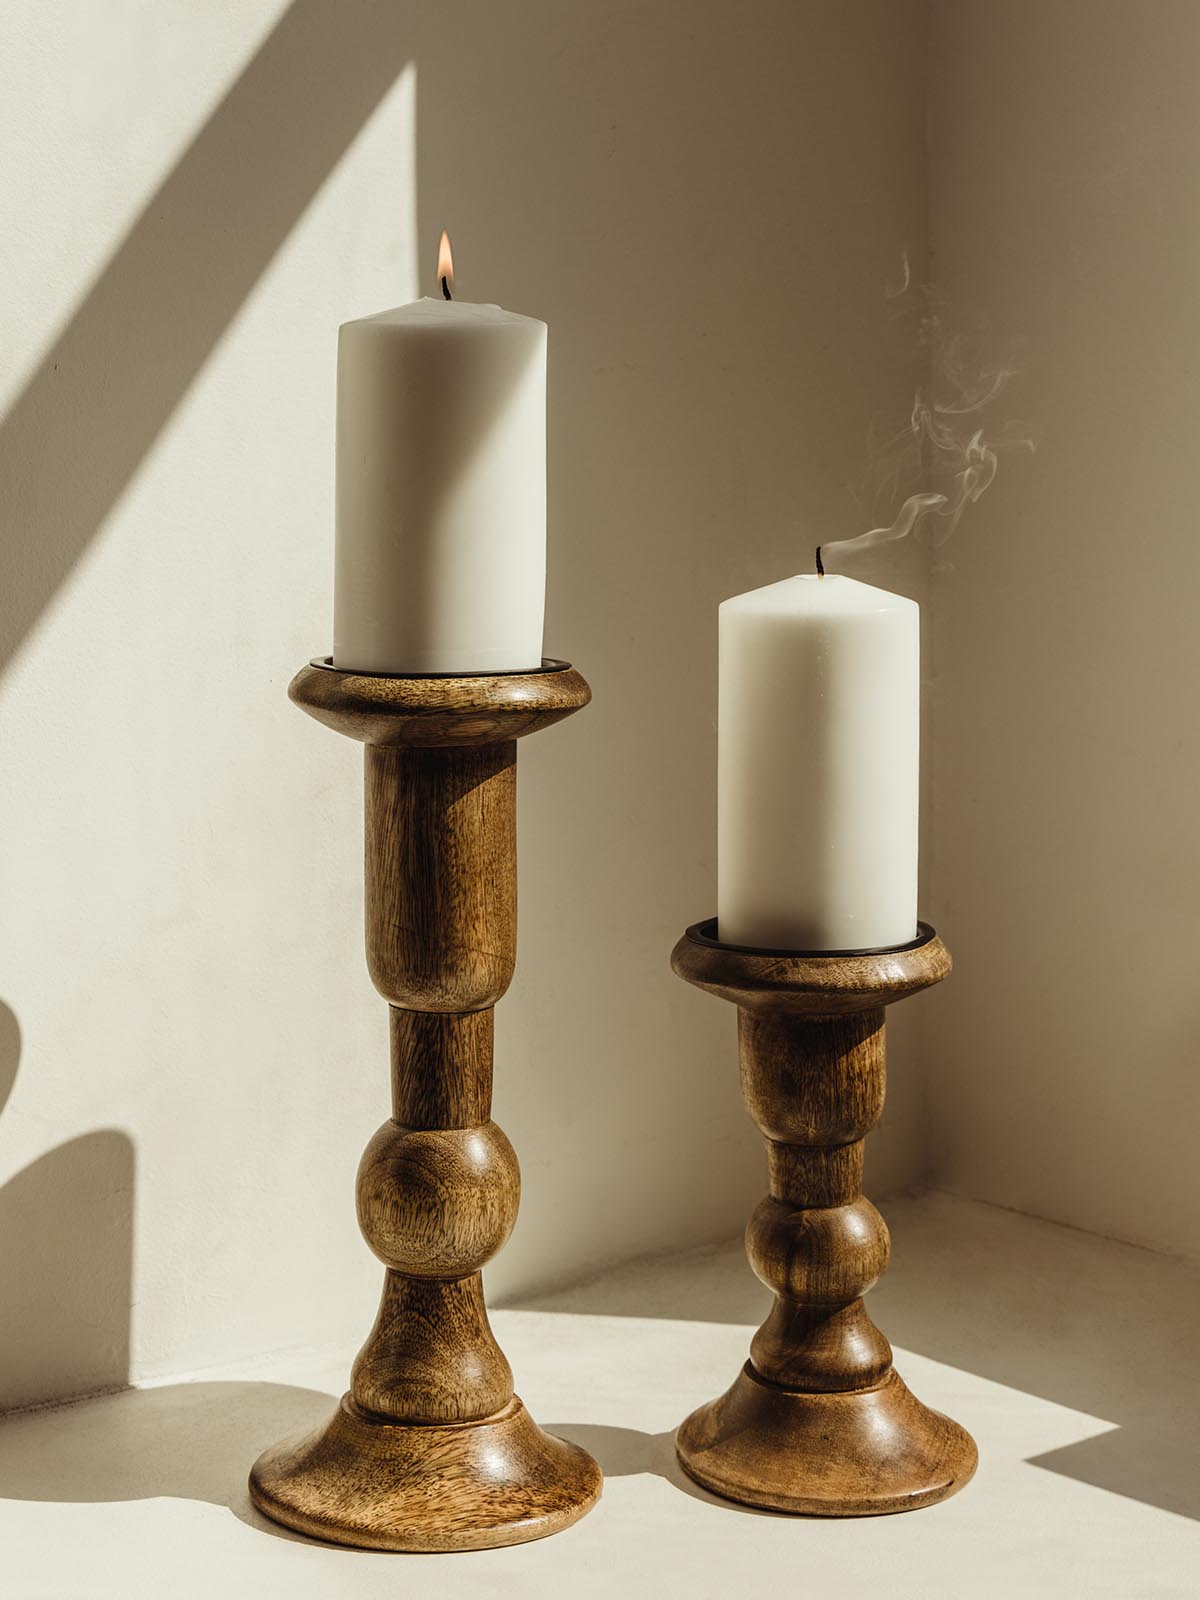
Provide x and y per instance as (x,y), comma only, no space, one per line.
(818,766)
(441,491)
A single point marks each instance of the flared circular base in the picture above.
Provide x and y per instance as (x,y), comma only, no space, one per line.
(388,1486)
(856,1454)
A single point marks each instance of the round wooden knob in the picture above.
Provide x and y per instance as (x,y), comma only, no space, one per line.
(819,1256)
(437,1203)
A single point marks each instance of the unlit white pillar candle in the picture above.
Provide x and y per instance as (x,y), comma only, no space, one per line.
(441,491)
(818,767)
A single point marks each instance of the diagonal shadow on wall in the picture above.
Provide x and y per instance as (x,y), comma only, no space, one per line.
(126,358)
(69,446)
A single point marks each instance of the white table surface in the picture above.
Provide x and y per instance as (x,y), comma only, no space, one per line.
(1068,1357)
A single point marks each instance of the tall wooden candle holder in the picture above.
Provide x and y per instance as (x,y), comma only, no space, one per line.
(818,1421)
(430,1449)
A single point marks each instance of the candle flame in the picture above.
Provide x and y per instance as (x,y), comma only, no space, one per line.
(445,269)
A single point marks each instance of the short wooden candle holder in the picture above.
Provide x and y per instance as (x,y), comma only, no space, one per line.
(430,1449)
(818,1421)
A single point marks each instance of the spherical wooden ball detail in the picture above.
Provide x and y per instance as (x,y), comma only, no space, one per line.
(438,1203)
(824,1256)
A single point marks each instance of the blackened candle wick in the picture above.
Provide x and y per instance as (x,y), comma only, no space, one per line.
(820,564)
(446,289)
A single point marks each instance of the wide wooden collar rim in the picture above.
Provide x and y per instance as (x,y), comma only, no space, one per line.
(818,982)
(473,710)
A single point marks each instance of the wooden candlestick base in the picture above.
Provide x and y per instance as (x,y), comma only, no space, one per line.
(818,1421)
(430,1449)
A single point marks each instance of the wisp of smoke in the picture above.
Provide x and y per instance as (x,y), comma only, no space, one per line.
(949,438)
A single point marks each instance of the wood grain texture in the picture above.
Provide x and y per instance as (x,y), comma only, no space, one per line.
(441,1068)
(431,1450)
(818,1421)
(384,1486)
(819,985)
(441,871)
(431,1355)
(437,1202)
(424,713)
(861,1454)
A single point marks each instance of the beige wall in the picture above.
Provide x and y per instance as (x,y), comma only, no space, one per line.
(1065,145)
(704,202)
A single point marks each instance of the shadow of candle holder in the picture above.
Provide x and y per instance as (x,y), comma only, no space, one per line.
(66,1260)
(184,1440)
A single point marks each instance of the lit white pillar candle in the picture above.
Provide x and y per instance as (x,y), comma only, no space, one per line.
(818,766)
(441,489)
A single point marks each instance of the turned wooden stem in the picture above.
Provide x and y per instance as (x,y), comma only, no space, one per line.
(818,1421)
(815,1089)
(441,869)
(431,1450)
(438,1185)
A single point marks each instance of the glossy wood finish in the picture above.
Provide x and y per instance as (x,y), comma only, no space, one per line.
(430,1450)
(426,713)
(365,1481)
(865,1453)
(818,1421)
(441,904)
